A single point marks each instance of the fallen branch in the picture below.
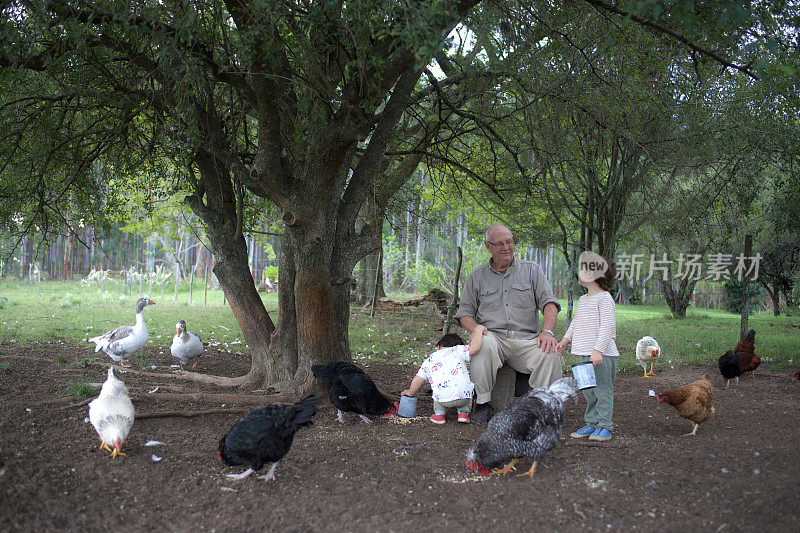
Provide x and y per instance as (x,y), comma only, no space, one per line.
(188,414)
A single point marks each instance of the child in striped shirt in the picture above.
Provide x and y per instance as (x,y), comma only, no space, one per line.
(592,332)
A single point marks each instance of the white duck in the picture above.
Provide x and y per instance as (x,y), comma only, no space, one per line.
(122,342)
(647,350)
(186,345)
(112,414)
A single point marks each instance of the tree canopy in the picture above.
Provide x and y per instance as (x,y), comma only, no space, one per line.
(324,110)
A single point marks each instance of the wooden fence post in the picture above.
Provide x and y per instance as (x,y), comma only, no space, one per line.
(448,321)
(748,250)
(191,285)
(375,289)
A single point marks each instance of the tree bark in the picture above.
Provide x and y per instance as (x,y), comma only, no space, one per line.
(678,295)
(775,296)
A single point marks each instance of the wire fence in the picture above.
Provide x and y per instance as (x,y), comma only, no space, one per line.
(163,281)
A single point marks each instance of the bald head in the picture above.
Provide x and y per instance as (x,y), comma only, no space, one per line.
(492,230)
(500,244)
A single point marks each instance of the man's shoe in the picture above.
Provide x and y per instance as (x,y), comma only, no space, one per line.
(463,418)
(437,419)
(600,434)
(482,413)
(585,431)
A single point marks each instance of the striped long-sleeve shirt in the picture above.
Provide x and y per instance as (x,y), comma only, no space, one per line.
(594,326)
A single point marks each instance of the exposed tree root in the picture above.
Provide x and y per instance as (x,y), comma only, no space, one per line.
(259,399)
(188,414)
(70,406)
(248,399)
(220,381)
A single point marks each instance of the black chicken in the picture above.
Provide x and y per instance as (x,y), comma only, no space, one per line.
(729,367)
(351,390)
(264,435)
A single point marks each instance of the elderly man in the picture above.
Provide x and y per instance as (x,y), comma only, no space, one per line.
(505,295)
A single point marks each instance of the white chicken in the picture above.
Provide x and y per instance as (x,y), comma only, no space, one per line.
(111,414)
(186,345)
(647,350)
(122,342)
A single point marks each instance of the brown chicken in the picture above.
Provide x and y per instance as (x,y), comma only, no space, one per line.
(694,402)
(745,350)
(741,359)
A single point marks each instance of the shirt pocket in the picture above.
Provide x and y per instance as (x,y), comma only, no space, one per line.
(489,300)
(521,295)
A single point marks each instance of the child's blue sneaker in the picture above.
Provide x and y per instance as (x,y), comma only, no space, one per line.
(585,431)
(600,434)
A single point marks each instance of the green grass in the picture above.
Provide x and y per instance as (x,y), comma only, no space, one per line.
(4,367)
(81,388)
(75,312)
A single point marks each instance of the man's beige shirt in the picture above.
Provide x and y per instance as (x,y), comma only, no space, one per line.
(507,302)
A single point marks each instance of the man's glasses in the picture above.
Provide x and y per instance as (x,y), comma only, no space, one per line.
(509,242)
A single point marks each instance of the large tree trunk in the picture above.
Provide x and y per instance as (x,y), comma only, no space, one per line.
(678,295)
(775,296)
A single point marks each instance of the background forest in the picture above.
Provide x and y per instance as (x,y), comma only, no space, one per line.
(337,151)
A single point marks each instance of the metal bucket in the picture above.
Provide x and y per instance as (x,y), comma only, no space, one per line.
(408,406)
(584,375)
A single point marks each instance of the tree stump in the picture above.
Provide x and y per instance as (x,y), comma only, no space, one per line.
(508,384)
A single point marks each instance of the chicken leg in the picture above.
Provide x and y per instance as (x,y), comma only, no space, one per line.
(339,416)
(530,472)
(508,468)
(239,477)
(104,446)
(116,452)
(652,365)
(365,419)
(694,431)
(270,475)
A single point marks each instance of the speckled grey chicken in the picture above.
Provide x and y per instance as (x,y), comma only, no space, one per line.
(528,428)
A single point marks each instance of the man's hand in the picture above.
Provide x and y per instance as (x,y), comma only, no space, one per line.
(546,342)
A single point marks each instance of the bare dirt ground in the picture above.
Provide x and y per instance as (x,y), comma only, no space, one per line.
(740,473)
